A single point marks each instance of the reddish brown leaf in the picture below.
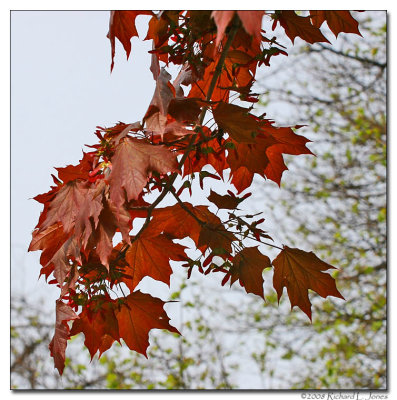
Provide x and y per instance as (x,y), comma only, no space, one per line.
(110,220)
(224,201)
(237,122)
(132,164)
(150,256)
(59,341)
(211,153)
(79,171)
(49,240)
(287,142)
(62,267)
(175,221)
(214,235)
(299,271)
(200,87)
(294,26)
(265,156)
(179,223)
(66,205)
(338,21)
(252,22)
(88,216)
(222,20)
(242,178)
(248,266)
(96,321)
(185,109)
(137,315)
(122,26)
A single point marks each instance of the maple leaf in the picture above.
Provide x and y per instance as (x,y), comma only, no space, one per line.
(79,171)
(299,271)
(242,178)
(98,322)
(156,117)
(222,20)
(294,26)
(122,26)
(110,220)
(60,260)
(204,228)
(185,109)
(62,333)
(49,240)
(132,164)
(176,222)
(224,201)
(211,153)
(66,204)
(247,267)
(252,23)
(150,256)
(337,20)
(138,314)
(237,122)
(265,156)
(88,216)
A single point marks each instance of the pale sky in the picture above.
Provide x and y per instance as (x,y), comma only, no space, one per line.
(61,90)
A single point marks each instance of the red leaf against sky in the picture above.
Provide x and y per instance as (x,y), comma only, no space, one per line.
(299,271)
(59,341)
(150,256)
(265,156)
(49,240)
(122,26)
(132,164)
(248,266)
(337,20)
(295,25)
(224,201)
(156,116)
(79,171)
(137,315)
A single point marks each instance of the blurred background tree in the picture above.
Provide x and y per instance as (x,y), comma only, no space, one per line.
(336,204)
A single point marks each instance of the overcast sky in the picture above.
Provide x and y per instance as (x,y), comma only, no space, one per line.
(61,90)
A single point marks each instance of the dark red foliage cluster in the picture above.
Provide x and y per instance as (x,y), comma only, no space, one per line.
(219,53)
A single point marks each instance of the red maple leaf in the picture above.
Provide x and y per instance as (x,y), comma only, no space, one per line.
(150,256)
(299,271)
(62,333)
(248,266)
(137,315)
(122,26)
(98,322)
(295,25)
(337,20)
(132,164)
